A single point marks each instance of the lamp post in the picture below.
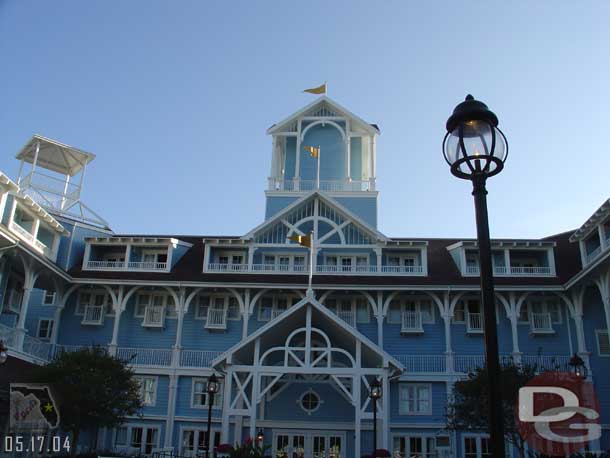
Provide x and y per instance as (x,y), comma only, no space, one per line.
(578,366)
(212,389)
(476,149)
(3,352)
(375,394)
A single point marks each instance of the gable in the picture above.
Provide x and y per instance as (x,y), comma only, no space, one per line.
(332,223)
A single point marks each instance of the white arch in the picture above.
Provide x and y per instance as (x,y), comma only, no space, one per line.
(504,302)
(319,218)
(367,295)
(323,122)
(455,300)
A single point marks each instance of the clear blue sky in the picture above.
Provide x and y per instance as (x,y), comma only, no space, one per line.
(175,97)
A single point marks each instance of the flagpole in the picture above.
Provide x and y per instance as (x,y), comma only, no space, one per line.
(318,178)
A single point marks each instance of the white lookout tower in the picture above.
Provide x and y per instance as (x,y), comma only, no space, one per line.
(55,179)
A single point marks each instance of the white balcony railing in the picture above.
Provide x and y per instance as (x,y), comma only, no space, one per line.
(538,271)
(423,363)
(147,265)
(110,265)
(278,268)
(540,323)
(278,184)
(8,335)
(348,316)
(197,358)
(37,348)
(474,323)
(402,269)
(154,316)
(94,315)
(216,318)
(224,267)
(321,268)
(145,356)
(411,322)
(29,237)
(594,254)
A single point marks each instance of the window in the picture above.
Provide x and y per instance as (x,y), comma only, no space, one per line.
(48,297)
(287,262)
(97,298)
(423,306)
(476,447)
(414,399)
(310,401)
(459,313)
(144,439)
(395,313)
(272,306)
(194,441)
(603,342)
(201,307)
(45,329)
(121,436)
(144,300)
(148,390)
(233,311)
(199,397)
(541,306)
(414,446)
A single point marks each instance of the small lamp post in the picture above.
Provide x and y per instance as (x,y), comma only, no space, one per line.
(260,436)
(3,352)
(211,388)
(578,366)
(476,149)
(375,394)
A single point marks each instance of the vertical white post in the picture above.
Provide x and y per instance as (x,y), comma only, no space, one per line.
(348,152)
(206,257)
(171,410)
(297,165)
(602,237)
(583,252)
(251,251)
(224,432)
(357,382)
(507,261)
(449,366)
(35,160)
(385,429)
(318,172)
(255,384)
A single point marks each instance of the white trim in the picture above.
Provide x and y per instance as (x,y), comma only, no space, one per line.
(309,392)
(403,410)
(155,386)
(218,397)
(44,297)
(598,333)
(50,325)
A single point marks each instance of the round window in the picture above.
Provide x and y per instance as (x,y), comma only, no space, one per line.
(310,401)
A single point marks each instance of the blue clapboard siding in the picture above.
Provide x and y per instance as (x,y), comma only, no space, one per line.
(133,334)
(363,207)
(37,311)
(275,204)
(196,337)
(439,401)
(431,342)
(160,407)
(184,401)
(72,332)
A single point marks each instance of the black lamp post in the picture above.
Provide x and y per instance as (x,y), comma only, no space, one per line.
(212,389)
(476,149)
(375,394)
(578,366)
(3,352)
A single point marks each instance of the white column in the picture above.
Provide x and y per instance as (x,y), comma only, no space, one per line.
(357,382)
(602,237)
(251,251)
(23,311)
(379,256)
(507,260)
(115,331)
(255,385)
(449,366)
(385,429)
(513,317)
(380,315)
(226,404)
(127,255)
(583,252)
(171,410)
(348,152)
(206,256)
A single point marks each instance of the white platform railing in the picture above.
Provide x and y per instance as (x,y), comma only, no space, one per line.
(278,268)
(223,267)
(197,358)
(594,254)
(216,318)
(411,322)
(8,335)
(94,315)
(538,271)
(320,268)
(93,265)
(37,348)
(154,316)
(541,323)
(145,356)
(423,363)
(468,363)
(278,184)
(147,265)
(474,322)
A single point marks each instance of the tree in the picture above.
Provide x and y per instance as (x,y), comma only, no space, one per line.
(469,406)
(93,389)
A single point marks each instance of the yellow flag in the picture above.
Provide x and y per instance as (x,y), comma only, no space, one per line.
(317,90)
(303,240)
(312,150)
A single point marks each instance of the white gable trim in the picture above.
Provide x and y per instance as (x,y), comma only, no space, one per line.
(367,127)
(327,199)
(328,314)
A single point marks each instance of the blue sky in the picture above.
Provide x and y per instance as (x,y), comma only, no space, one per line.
(175,97)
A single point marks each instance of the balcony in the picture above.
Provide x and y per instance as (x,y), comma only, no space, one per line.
(516,271)
(216,319)
(474,323)
(411,322)
(94,315)
(154,316)
(321,268)
(122,265)
(29,238)
(349,316)
(278,184)
(590,257)
(151,357)
(146,265)
(541,323)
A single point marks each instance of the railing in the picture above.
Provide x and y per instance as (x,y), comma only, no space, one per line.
(402,269)
(216,318)
(541,323)
(348,316)
(94,314)
(105,265)
(147,265)
(279,268)
(320,268)
(422,363)
(29,237)
(276,184)
(276,312)
(37,348)
(154,316)
(145,356)
(197,358)
(8,335)
(547,362)
(514,270)
(594,254)
(468,363)
(411,322)
(224,267)
(474,322)
(58,349)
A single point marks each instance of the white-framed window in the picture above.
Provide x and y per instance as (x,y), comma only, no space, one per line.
(161,299)
(465,307)
(141,439)
(403,260)
(148,389)
(603,342)
(270,306)
(85,298)
(154,256)
(48,297)
(285,261)
(414,446)
(114,257)
(348,262)
(422,305)
(415,399)
(193,441)
(201,306)
(475,446)
(45,329)
(217,302)
(231,257)
(310,401)
(350,308)
(545,305)
(199,394)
